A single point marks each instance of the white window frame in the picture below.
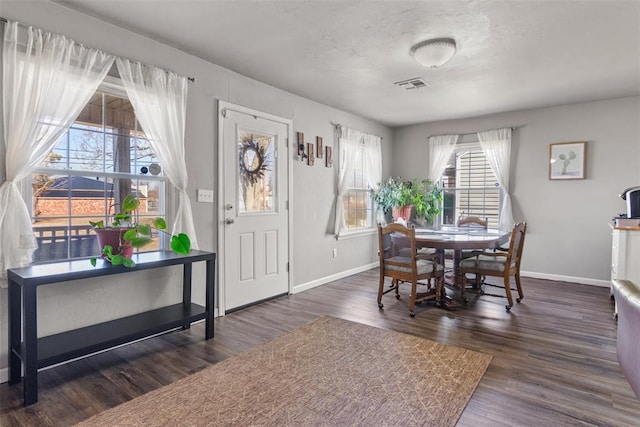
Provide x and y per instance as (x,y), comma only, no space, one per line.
(111,86)
(493,221)
(347,233)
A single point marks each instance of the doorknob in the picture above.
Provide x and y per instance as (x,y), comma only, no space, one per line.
(229,221)
(228,207)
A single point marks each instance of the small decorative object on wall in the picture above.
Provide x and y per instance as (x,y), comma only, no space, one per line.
(328,161)
(300,142)
(310,157)
(319,149)
(567,160)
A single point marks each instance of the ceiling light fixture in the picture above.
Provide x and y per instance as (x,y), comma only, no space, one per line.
(434,53)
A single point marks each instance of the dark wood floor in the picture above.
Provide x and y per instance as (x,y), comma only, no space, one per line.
(554,355)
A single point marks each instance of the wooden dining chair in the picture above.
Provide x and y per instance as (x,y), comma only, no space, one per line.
(473,221)
(402,265)
(469,222)
(500,264)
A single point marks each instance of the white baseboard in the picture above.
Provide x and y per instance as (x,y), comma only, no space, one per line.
(337,276)
(572,279)
(532,274)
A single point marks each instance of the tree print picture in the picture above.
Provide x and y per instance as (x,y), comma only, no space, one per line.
(567,160)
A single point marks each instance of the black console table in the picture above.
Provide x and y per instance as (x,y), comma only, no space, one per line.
(35,353)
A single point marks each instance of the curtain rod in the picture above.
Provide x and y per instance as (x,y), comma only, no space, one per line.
(475,133)
(337,126)
(191,79)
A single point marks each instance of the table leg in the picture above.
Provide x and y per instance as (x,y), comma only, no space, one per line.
(186,289)
(15,332)
(458,279)
(440,255)
(30,356)
(209,296)
(446,301)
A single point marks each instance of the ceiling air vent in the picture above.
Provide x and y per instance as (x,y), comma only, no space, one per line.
(414,83)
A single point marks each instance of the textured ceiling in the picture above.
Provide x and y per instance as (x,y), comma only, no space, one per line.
(347,54)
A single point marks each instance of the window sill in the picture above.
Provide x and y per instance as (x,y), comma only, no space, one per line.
(356,233)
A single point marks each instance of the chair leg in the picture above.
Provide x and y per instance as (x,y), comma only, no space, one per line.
(463,284)
(479,280)
(507,289)
(380,289)
(439,287)
(519,286)
(396,283)
(412,300)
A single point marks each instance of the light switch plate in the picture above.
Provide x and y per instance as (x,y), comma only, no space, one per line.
(205,196)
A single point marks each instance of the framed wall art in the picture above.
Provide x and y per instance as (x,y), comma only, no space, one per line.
(567,160)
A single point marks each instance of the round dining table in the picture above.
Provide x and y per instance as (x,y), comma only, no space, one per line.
(459,239)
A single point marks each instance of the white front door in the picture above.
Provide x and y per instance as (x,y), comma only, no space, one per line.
(254,207)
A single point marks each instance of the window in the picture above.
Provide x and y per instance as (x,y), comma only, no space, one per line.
(104,156)
(470,186)
(358,206)
(359,171)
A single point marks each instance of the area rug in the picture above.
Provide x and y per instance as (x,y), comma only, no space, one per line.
(329,372)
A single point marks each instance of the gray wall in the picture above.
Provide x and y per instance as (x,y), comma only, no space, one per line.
(568,236)
(81,303)
(568,231)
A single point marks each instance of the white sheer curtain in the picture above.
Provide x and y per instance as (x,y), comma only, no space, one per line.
(372,155)
(159,98)
(496,145)
(349,146)
(47,80)
(440,149)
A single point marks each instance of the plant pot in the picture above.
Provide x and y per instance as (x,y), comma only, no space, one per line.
(403,212)
(114,238)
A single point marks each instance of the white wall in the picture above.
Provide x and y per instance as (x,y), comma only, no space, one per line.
(568,236)
(80,303)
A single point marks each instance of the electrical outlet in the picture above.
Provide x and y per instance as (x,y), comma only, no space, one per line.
(335,252)
(205,196)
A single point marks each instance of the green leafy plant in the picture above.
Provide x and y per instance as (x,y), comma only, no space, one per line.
(136,235)
(388,195)
(423,195)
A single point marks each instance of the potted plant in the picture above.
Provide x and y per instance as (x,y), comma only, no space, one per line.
(123,235)
(421,197)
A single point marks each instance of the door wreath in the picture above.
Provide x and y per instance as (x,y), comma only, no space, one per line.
(252,160)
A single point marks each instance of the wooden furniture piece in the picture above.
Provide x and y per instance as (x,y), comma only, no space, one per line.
(625,253)
(28,350)
(459,239)
(473,221)
(408,267)
(500,264)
